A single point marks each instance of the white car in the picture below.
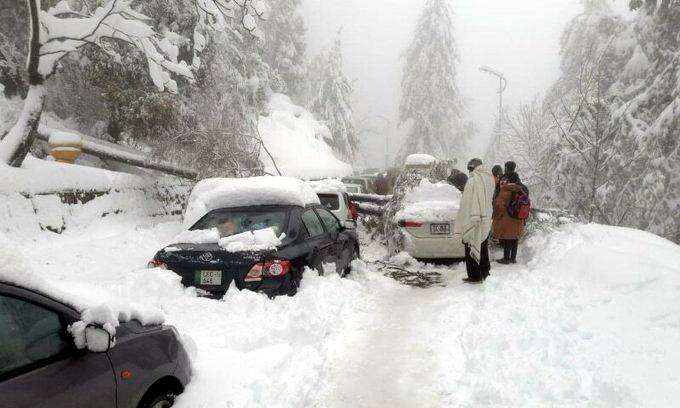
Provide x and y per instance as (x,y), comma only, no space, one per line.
(355,188)
(333,195)
(420,162)
(426,222)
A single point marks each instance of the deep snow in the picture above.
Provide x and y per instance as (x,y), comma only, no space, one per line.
(590,318)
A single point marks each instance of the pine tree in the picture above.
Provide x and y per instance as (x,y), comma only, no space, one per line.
(431,102)
(285,45)
(333,103)
(649,115)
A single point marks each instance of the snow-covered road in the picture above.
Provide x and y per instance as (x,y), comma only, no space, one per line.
(591,319)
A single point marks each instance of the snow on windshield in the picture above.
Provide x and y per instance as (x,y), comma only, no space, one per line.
(430,202)
(212,194)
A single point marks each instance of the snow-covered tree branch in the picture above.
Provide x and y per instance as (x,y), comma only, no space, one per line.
(62,30)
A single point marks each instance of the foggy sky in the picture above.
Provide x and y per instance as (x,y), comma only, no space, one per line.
(517,37)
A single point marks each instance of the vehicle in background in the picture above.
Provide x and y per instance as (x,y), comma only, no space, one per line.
(424,225)
(422,163)
(334,197)
(40,365)
(355,189)
(362,181)
(370,172)
(258,234)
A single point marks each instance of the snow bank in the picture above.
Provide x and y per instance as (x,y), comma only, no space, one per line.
(211,194)
(430,202)
(591,321)
(38,176)
(296,140)
(259,240)
(250,351)
(420,159)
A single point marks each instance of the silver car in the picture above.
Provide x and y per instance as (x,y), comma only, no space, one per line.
(40,365)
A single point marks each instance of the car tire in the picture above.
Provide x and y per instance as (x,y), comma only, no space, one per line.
(163,399)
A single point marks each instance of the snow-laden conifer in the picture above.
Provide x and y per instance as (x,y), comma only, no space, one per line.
(333,102)
(431,102)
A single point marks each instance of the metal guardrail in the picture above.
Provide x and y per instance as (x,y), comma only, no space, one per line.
(370,198)
(110,151)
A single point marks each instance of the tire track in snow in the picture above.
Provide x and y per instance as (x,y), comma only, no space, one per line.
(387,363)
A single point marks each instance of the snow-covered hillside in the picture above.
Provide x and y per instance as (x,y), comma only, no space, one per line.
(589,318)
(297,141)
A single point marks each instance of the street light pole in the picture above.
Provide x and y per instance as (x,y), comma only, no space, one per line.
(388,127)
(502,85)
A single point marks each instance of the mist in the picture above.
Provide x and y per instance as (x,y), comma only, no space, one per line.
(519,38)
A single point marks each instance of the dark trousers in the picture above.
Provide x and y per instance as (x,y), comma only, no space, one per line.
(478,271)
(510,249)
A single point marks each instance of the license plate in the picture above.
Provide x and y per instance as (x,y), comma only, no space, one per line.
(440,229)
(210,277)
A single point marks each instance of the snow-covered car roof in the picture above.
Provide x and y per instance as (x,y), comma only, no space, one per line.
(430,202)
(215,193)
(94,305)
(328,186)
(420,159)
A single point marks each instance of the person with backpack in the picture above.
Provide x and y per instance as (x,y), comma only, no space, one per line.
(511,210)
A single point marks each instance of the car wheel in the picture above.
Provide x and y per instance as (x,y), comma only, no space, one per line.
(164,399)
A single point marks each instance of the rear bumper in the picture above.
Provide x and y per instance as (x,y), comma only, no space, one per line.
(434,248)
(269,286)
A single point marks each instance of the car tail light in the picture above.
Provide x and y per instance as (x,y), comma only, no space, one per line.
(255,273)
(354,210)
(155,263)
(267,270)
(410,224)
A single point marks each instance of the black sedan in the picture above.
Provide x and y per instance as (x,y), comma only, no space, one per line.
(313,236)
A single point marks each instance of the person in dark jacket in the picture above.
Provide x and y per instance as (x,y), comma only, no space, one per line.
(458,179)
(507,229)
(497,172)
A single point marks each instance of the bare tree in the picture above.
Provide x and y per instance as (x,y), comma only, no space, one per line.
(526,138)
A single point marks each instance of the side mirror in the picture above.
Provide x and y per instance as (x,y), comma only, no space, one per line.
(97,339)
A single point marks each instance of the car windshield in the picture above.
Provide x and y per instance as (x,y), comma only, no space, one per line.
(330,201)
(232,222)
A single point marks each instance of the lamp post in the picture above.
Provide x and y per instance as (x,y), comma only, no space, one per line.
(388,126)
(502,85)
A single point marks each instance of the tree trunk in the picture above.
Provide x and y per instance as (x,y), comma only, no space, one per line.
(16,144)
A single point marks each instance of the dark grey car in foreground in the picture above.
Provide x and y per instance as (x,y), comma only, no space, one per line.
(41,367)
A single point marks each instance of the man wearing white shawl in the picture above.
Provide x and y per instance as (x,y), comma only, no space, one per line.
(474,219)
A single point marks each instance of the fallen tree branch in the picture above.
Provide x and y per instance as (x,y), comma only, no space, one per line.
(110,151)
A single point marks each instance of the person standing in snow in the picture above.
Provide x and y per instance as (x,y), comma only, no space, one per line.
(473,222)
(497,172)
(458,179)
(506,228)
(510,167)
